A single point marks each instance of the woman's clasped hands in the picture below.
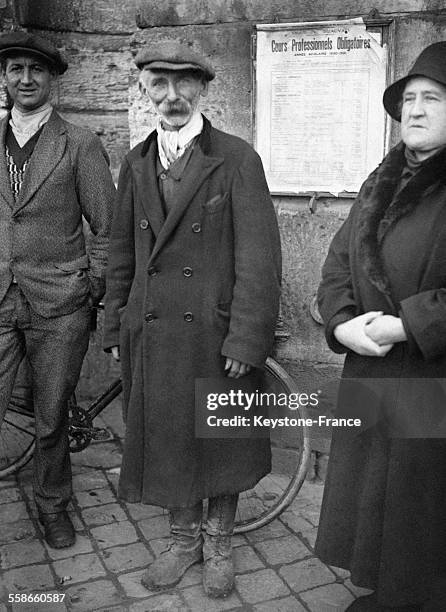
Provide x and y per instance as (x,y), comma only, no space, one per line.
(372,334)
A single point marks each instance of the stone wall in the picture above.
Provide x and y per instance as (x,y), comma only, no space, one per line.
(100,39)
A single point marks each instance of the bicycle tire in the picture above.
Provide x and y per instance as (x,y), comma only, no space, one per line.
(289,490)
(17,438)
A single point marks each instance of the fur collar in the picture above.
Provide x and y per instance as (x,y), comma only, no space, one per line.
(381,205)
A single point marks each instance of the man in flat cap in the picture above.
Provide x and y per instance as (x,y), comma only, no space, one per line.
(52,174)
(193,286)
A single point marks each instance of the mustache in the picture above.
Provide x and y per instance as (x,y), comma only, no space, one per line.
(174,108)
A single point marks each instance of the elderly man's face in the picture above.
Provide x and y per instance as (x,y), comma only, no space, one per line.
(423,116)
(28,81)
(173,93)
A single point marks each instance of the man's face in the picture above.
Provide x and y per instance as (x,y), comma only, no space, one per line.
(173,93)
(28,80)
(423,116)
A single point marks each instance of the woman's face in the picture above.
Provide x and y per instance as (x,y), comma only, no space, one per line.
(423,116)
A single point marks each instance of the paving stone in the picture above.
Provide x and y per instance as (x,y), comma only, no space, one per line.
(92,595)
(289,604)
(245,559)
(339,571)
(358,591)
(296,522)
(131,583)
(306,574)
(28,578)
(330,598)
(124,558)
(114,534)
(101,455)
(143,511)
(162,603)
(38,607)
(96,497)
(261,585)
(12,512)
(20,530)
(79,568)
(21,553)
(11,494)
(198,601)
(113,480)
(10,482)
(75,519)
(86,481)
(282,550)
(82,545)
(309,537)
(238,540)
(274,530)
(155,527)
(101,515)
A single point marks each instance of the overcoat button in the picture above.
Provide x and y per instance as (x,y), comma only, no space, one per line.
(143,224)
(152,271)
(163,176)
(187,272)
(188,317)
(196,228)
(150,317)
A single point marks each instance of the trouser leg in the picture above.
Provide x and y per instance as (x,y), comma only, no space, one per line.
(218,571)
(55,349)
(184,549)
(12,348)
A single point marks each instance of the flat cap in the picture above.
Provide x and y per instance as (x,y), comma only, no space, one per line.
(12,43)
(173,56)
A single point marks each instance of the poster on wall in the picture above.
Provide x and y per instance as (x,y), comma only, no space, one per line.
(319,118)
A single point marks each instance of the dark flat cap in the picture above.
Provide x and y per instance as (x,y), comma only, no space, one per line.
(173,56)
(431,63)
(12,43)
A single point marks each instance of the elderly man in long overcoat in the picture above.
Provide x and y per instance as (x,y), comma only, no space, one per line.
(52,174)
(193,292)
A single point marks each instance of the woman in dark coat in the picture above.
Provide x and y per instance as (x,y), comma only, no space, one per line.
(383,300)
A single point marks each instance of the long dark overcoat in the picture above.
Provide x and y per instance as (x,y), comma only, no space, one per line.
(383,514)
(182,293)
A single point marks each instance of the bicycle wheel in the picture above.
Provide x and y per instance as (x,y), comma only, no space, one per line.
(17,437)
(290,449)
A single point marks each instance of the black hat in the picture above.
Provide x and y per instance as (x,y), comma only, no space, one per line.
(173,56)
(431,63)
(12,43)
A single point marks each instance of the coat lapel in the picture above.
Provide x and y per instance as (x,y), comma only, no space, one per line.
(47,154)
(5,183)
(146,178)
(200,166)
(381,205)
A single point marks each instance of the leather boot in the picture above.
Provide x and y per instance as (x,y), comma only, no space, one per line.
(184,549)
(218,571)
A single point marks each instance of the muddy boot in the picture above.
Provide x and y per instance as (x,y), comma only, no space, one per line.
(184,549)
(218,570)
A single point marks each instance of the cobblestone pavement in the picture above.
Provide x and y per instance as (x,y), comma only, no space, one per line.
(276,567)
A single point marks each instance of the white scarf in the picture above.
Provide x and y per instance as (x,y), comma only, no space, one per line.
(25,125)
(173,143)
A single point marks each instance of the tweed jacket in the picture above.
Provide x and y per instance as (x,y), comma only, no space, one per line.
(42,242)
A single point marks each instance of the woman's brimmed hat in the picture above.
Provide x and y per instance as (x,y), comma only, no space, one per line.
(431,63)
(15,43)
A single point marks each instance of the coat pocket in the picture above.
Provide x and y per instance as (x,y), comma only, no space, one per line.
(80,263)
(216,203)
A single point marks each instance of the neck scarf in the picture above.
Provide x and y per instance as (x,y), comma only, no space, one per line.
(25,125)
(172,143)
